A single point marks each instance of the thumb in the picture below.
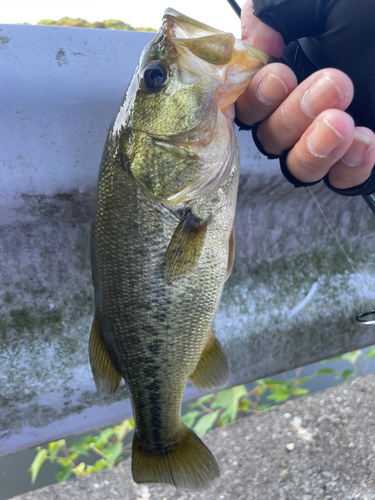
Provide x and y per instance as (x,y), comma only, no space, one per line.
(258,34)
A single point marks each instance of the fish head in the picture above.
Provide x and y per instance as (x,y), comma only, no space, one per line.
(181,102)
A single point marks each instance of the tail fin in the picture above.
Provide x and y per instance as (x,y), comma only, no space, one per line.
(189,467)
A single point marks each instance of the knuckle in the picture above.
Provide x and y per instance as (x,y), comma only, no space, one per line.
(279,132)
(305,167)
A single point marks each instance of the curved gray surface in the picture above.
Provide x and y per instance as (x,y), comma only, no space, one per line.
(292,296)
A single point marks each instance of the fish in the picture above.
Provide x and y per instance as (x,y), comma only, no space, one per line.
(162,239)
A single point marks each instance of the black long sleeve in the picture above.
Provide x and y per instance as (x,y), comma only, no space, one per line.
(329,33)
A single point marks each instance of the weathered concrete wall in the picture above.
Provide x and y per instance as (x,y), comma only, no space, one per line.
(59,90)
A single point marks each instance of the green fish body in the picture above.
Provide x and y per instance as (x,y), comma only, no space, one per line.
(162,241)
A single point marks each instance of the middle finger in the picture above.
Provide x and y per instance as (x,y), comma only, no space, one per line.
(326,89)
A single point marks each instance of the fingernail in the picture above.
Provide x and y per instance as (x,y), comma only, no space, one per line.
(358,150)
(324,92)
(323,139)
(271,89)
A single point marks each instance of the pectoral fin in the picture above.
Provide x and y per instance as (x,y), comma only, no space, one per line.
(212,370)
(231,253)
(185,247)
(106,377)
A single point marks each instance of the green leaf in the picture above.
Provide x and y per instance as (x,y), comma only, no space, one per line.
(347,374)
(228,401)
(99,465)
(260,389)
(301,381)
(299,391)
(324,371)
(123,429)
(80,448)
(271,382)
(335,358)
(244,404)
(205,398)
(80,469)
(370,353)
(223,421)
(190,417)
(201,400)
(352,356)
(37,463)
(280,394)
(261,381)
(112,452)
(263,407)
(206,422)
(63,473)
(63,461)
(103,437)
(55,447)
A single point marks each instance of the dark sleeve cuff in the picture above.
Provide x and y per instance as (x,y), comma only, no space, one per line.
(242,126)
(290,177)
(293,19)
(366,188)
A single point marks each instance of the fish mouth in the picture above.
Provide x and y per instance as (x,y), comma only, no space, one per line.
(213,45)
(206,52)
(177,25)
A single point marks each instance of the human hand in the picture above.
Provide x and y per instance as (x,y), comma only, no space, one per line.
(309,119)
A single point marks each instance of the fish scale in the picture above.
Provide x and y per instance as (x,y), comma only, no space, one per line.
(161,245)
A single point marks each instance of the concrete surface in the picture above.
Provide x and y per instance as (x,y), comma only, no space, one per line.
(331,435)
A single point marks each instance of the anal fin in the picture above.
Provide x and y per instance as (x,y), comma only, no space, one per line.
(185,247)
(190,466)
(106,377)
(212,371)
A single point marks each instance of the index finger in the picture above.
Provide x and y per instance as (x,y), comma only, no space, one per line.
(264,94)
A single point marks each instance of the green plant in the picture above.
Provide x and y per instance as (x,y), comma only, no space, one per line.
(214,410)
(108,445)
(218,409)
(208,411)
(359,365)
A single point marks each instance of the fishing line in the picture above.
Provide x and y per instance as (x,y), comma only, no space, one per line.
(332,231)
(365,316)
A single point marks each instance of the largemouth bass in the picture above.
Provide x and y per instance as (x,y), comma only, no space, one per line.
(162,242)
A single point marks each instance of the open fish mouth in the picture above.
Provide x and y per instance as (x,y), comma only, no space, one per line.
(209,44)
(205,52)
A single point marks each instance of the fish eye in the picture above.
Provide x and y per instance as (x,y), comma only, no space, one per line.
(155,75)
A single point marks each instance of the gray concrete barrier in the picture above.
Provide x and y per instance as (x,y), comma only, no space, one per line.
(291,300)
